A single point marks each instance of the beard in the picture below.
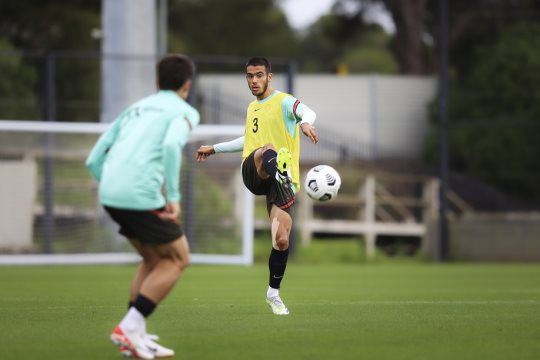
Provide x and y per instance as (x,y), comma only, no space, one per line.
(262,89)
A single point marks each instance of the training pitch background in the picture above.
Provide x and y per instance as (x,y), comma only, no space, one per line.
(397,311)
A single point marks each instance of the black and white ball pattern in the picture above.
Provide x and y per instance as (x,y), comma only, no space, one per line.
(322,183)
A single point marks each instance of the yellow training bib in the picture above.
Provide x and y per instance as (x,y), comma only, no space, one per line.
(266,123)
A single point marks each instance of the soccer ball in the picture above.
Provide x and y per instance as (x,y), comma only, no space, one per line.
(322,183)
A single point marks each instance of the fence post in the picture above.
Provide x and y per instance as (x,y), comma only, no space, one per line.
(48,171)
(430,215)
(369,213)
(443,127)
(189,206)
(305,210)
(291,73)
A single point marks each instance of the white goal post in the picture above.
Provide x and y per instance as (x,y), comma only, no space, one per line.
(225,238)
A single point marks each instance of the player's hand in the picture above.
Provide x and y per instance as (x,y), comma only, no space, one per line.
(204,152)
(309,131)
(171,213)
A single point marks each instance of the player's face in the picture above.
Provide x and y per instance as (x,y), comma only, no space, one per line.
(257,79)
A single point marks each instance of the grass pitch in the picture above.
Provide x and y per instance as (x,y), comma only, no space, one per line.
(407,311)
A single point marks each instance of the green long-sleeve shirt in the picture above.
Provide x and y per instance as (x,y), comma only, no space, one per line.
(141,152)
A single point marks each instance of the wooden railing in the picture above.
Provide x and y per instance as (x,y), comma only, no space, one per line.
(378,210)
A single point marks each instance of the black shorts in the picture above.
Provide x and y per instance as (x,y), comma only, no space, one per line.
(275,192)
(145,225)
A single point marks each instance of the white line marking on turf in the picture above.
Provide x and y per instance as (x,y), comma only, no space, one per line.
(335,303)
(427,302)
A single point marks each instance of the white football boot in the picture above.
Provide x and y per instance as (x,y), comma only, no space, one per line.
(134,342)
(277,305)
(159,351)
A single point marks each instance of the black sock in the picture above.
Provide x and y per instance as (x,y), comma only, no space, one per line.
(277,264)
(269,162)
(131,304)
(144,305)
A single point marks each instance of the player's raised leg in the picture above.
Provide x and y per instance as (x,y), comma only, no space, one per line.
(274,164)
(281,224)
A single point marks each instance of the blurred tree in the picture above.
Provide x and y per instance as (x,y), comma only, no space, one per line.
(411,51)
(478,22)
(494,111)
(323,44)
(50,25)
(345,41)
(17,83)
(495,114)
(58,25)
(233,27)
(369,52)
(471,22)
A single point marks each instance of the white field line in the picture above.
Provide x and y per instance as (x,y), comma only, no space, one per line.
(190,302)
(427,302)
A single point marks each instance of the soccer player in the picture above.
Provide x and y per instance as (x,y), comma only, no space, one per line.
(137,157)
(270,151)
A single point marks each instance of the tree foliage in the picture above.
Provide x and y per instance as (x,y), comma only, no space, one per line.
(50,25)
(495,113)
(45,26)
(240,28)
(17,83)
(369,53)
(345,39)
(411,53)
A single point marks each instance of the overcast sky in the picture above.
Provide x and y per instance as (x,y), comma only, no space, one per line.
(302,13)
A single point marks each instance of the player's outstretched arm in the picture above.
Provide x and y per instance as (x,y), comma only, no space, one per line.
(204,152)
(309,131)
(230,146)
(302,114)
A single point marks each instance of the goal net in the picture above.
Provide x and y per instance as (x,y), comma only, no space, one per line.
(50,213)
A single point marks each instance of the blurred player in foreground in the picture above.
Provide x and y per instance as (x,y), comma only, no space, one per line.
(133,160)
(270,151)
